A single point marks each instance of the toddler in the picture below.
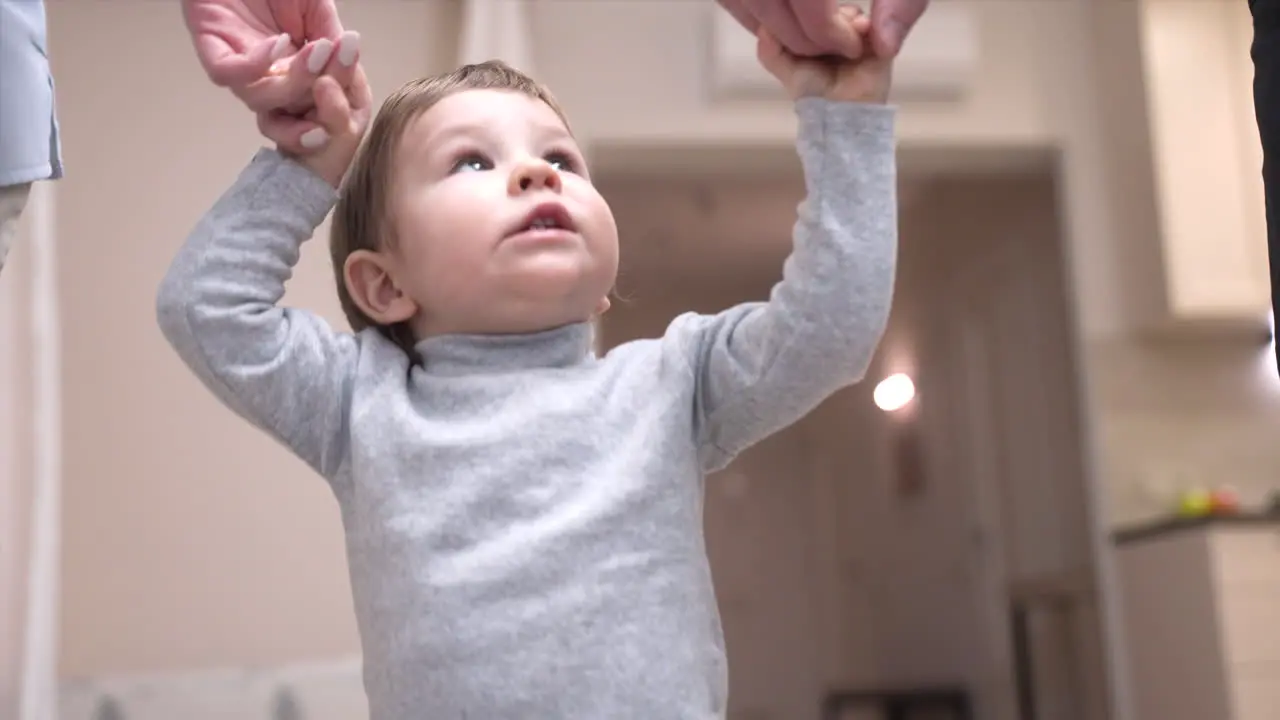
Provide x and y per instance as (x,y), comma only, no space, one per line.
(523,519)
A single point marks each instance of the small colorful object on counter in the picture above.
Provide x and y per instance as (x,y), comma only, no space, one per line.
(1224,501)
(1195,503)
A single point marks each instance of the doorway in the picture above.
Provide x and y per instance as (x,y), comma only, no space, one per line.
(994,337)
(834,570)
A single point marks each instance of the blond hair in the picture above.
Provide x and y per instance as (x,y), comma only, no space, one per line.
(361,220)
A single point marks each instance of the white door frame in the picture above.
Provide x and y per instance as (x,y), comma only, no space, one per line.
(32,359)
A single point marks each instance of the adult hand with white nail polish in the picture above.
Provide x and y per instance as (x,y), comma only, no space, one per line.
(342,116)
(269,53)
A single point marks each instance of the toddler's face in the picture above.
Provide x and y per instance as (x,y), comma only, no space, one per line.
(498,227)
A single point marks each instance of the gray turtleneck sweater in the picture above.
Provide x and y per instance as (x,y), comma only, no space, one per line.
(524,519)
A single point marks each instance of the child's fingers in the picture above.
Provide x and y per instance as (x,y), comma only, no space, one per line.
(800,77)
(287,85)
(336,114)
(333,110)
(773,57)
(358,92)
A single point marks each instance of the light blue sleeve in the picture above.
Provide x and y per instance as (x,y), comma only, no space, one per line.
(30,148)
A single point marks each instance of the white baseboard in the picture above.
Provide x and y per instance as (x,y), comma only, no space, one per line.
(312,691)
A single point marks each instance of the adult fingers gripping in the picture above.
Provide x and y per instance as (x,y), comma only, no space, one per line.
(321,18)
(780,19)
(343,64)
(286,83)
(297,75)
(289,83)
(891,21)
(824,23)
(300,135)
(227,67)
(742,14)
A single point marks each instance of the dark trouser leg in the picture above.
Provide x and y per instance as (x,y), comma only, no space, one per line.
(1266,100)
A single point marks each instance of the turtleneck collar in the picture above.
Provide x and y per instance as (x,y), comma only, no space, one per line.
(467,354)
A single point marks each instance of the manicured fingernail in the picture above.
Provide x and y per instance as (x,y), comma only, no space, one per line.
(281,47)
(314,138)
(348,48)
(319,56)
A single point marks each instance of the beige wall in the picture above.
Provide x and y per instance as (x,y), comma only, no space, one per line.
(192,540)
(1180,410)
(17,456)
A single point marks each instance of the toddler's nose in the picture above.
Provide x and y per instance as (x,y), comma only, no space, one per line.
(534,175)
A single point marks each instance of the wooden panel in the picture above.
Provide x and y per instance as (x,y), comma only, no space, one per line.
(1247,576)
(1250,617)
(1208,191)
(1256,692)
(1171,616)
(1248,556)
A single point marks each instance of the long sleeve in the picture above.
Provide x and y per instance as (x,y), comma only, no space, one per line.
(760,367)
(282,369)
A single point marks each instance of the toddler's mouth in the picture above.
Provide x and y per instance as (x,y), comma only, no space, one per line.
(547,216)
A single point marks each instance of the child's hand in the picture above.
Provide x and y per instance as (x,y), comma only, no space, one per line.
(343,118)
(866,79)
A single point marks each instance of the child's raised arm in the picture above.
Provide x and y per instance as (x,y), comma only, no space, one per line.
(762,366)
(284,370)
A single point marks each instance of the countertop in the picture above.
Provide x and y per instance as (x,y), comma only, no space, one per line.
(1161,527)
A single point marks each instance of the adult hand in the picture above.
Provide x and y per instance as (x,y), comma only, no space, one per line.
(891,22)
(804,27)
(810,27)
(269,53)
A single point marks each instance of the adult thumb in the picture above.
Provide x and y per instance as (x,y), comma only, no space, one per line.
(228,68)
(891,21)
(887,36)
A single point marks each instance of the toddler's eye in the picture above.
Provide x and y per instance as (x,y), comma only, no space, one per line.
(562,162)
(471,162)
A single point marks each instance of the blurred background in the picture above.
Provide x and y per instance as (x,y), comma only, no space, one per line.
(1080,338)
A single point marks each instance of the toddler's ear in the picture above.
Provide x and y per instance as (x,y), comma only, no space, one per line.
(603,306)
(373,289)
